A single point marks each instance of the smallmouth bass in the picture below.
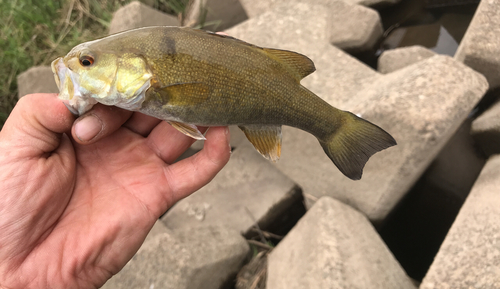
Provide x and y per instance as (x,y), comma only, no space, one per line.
(189,77)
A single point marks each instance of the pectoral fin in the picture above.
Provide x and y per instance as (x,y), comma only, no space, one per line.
(187,129)
(265,139)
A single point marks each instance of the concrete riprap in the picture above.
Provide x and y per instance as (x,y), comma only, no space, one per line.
(204,258)
(394,59)
(334,246)
(36,79)
(479,48)
(248,189)
(486,130)
(137,15)
(470,255)
(353,28)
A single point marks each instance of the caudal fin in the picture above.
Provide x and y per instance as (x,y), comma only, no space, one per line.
(354,143)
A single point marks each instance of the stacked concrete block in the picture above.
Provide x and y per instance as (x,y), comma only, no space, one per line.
(208,257)
(479,48)
(392,60)
(334,246)
(249,189)
(136,15)
(36,79)
(353,28)
(470,255)
(215,15)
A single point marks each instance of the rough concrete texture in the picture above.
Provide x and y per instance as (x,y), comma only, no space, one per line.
(353,28)
(203,258)
(136,15)
(334,246)
(36,79)
(338,76)
(215,15)
(478,48)
(457,166)
(248,189)
(486,130)
(470,255)
(421,106)
(394,59)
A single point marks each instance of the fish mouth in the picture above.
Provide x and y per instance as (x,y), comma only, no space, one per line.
(69,88)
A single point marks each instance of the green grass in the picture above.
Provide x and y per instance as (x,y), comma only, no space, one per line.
(34,32)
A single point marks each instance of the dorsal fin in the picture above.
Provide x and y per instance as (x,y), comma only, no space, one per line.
(300,65)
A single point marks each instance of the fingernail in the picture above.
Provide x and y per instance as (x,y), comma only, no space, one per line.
(228,136)
(88,128)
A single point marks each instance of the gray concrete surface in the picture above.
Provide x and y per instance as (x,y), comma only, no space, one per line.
(248,189)
(479,48)
(36,79)
(204,258)
(470,255)
(334,246)
(136,15)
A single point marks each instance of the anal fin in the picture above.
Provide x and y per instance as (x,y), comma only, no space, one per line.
(188,129)
(265,139)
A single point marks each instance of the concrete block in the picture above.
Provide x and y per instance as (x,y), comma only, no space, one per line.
(457,166)
(353,28)
(394,59)
(470,255)
(36,79)
(204,258)
(421,106)
(254,8)
(137,15)
(334,246)
(248,189)
(478,49)
(486,130)
(215,15)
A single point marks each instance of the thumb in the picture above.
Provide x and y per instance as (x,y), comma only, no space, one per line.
(36,124)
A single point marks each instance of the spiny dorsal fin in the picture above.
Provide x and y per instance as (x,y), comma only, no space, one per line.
(300,65)
(188,129)
(265,139)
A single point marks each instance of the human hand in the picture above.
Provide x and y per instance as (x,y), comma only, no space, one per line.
(74,211)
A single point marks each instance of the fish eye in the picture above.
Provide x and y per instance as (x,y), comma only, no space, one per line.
(86,60)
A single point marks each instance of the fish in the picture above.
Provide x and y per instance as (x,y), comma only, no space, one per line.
(190,77)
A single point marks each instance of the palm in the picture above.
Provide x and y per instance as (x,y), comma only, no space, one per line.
(93,205)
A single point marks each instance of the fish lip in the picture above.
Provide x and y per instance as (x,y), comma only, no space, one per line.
(69,89)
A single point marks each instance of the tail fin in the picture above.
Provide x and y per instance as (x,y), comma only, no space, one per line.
(354,143)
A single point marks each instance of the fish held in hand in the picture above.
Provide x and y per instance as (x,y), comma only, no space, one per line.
(189,77)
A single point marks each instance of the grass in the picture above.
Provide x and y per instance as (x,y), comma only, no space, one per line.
(36,32)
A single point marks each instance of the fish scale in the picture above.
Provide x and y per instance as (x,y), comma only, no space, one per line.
(189,77)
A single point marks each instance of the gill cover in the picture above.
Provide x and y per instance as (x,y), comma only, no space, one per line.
(85,78)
